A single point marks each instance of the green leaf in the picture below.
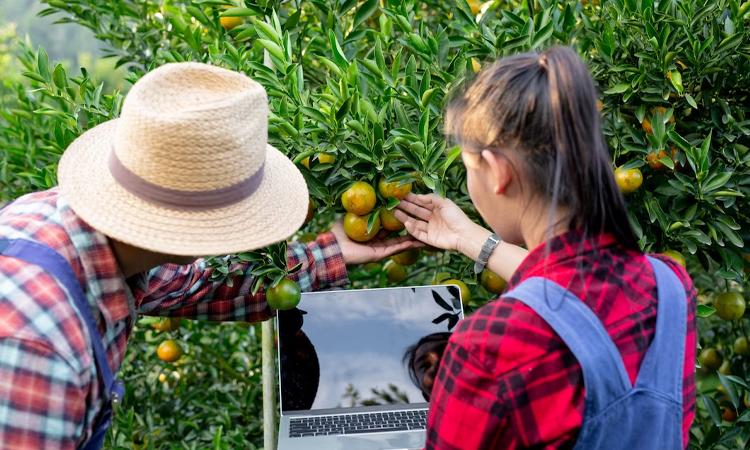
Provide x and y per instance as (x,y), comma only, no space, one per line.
(365,11)
(712,408)
(42,61)
(691,101)
(705,311)
(34,76)
(338,53)
(542,36)
(424,126)
(617,89)
(730,234)
(371,220)
(265,30)
(59,76)
(676,80)
(454,153)
(238,12)
(273,48)
(731,390)
(716,181)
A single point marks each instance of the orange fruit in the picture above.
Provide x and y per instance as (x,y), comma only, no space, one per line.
(394,189)
(646,125)
(677,256)
(389,220)
(662,110)
(492,281)
(465,292)
(725,368)
(394,271)
(230,22)
(475,5)
(323,158)
(285,295)
(728,413)
(359,199)
(741,346)
(326,158)
(475,65)
(166,324)
(654,158)
(599,105)
(356,227)
(628,180)
(169,351)
(730,305)
(710,359)
(407,257)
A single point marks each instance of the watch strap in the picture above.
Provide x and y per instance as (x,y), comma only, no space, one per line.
(484,255)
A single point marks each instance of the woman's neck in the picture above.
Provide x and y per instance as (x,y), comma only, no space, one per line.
(543,224)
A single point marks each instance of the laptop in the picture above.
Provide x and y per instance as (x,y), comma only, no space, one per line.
(343,366)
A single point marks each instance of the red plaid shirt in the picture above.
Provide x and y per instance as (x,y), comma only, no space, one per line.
(49,394)
(508,381)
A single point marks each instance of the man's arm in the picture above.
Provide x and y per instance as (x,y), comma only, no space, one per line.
(187,291)
(42,400)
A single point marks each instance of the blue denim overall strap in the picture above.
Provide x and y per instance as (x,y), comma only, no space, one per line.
(667,350)
(54,264)
(657,396)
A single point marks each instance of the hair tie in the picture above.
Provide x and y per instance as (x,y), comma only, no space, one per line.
(542,61)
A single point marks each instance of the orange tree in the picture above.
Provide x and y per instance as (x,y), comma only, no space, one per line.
(357,90)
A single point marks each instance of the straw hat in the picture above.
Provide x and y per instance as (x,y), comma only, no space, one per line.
(186,169)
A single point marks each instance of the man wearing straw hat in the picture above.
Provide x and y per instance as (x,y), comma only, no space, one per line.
(186,171)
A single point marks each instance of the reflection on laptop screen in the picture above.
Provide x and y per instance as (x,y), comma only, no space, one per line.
(343,349)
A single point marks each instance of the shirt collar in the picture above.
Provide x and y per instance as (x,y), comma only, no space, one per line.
(559,250)
(105,284)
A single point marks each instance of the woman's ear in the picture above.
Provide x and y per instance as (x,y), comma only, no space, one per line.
(499,171)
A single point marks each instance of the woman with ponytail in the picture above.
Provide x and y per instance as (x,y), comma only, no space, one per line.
(593,344)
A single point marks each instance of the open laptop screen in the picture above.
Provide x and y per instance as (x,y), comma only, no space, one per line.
(342,349)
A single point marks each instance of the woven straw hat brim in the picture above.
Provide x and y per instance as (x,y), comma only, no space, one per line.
(271,214)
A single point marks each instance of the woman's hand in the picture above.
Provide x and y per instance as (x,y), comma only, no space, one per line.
(436,221)
(356,253)
(439,222)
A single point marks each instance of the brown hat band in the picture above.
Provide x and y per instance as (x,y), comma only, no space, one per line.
(183,200)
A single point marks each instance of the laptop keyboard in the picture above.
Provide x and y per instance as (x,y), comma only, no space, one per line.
(358,423)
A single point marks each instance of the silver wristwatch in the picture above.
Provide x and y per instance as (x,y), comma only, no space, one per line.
(489,246)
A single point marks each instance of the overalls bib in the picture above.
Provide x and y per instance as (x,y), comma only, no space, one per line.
(646,416)
(55,265)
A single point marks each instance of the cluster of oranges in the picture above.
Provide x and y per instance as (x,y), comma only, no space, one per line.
(360,200)
(730,306)
(629,180)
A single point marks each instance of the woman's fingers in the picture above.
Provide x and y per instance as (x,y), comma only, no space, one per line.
(428,201)
(417,229)
(415,210)
(402,216)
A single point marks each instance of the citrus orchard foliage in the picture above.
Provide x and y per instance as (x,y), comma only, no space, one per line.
(357,90)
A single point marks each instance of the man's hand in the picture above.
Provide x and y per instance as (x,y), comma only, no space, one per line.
(356,253)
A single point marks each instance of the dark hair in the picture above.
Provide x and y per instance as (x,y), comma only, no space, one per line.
(435,342)
(543,105)
(300,369)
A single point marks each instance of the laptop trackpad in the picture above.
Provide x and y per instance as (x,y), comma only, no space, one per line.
(384,441)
